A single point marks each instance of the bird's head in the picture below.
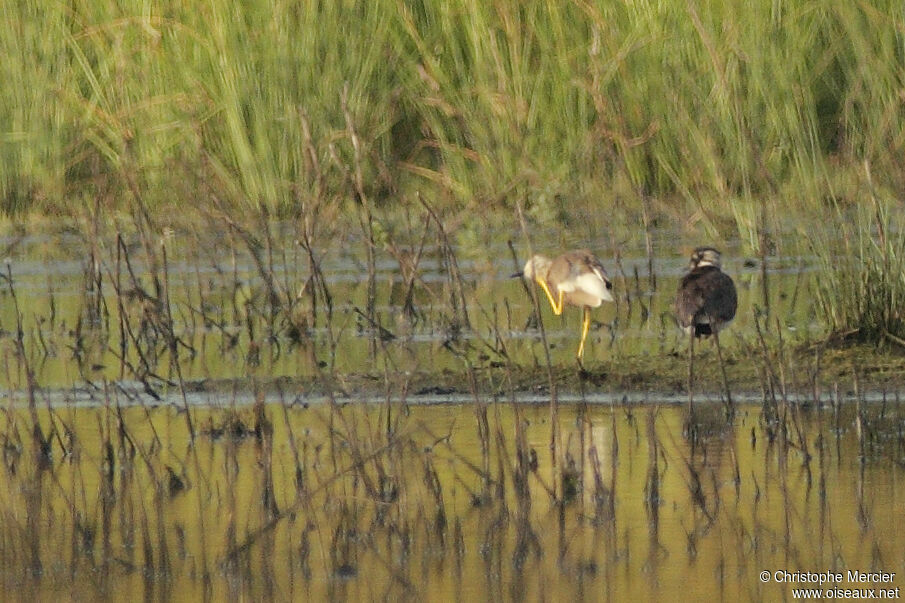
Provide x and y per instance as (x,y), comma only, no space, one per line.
(705,256)
(536,267)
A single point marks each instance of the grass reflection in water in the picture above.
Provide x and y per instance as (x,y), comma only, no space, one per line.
(443,501)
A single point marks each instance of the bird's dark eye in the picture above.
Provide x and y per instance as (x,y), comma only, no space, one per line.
(609,285)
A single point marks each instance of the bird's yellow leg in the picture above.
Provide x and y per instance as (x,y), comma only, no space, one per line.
(585,326)
(557,308)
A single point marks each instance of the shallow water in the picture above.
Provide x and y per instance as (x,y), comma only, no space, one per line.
(434,511)
(427,494)
(77,329)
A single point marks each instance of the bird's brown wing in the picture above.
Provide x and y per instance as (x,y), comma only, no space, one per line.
(722,303)
(706,292)
(585,261)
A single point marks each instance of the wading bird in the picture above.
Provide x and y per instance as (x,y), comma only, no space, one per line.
(577,278)
(705,304)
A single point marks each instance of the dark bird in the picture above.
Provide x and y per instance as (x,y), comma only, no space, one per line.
(706,301)
(705,304)
(576,278)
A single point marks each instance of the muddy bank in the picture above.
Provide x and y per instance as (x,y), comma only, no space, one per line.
(802,374)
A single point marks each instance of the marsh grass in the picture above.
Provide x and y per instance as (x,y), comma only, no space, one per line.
(861,289)
(731,121)
(705,114)
(394,125)
(193,312)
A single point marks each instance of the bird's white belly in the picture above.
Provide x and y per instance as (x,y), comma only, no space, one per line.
(590,284)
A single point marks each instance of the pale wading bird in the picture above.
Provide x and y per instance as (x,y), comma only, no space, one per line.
(705,304)
(576,278)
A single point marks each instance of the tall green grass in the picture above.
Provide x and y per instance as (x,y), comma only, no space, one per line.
(860,289)
(712,111)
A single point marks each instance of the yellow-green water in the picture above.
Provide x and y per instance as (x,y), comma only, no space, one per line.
(425,514)
(383,498)
(85,324)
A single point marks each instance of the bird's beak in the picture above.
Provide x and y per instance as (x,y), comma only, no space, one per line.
(608,294)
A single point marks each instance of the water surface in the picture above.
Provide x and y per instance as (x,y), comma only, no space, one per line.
(332,506)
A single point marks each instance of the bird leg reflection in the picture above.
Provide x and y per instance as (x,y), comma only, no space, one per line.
(719,353)
(691,370)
